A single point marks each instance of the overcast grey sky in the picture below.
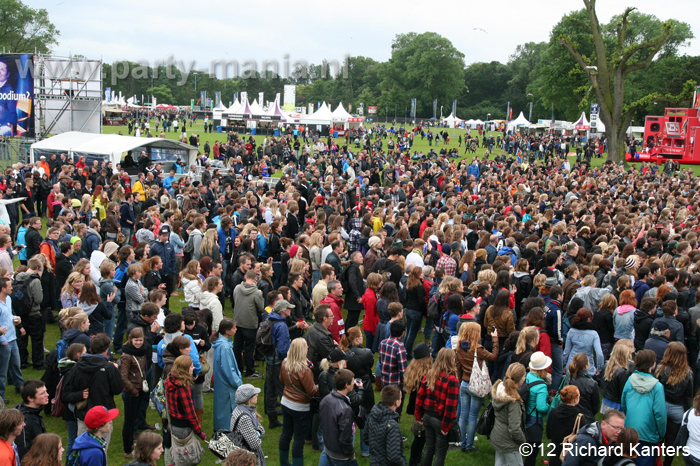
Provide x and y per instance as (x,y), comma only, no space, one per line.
(314,30)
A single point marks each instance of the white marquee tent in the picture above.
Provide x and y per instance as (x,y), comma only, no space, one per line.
(113,148)
(520,121)
(452,121)
(322,116)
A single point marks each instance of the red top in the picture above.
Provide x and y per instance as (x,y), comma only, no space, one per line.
(369,302)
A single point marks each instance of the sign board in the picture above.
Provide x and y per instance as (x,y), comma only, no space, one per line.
(17,95)
(290,94)
(372,110)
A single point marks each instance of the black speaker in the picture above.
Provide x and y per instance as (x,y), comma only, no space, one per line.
(655,127)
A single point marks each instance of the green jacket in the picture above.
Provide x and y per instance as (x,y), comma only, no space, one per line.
(509,428)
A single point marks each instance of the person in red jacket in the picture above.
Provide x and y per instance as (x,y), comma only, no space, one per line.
(335,301)
(369,302)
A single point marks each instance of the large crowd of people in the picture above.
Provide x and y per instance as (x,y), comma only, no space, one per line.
(549,293)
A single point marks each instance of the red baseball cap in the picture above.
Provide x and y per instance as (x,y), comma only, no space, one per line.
(99,415)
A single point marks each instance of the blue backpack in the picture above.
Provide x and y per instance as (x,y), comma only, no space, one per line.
(61,348)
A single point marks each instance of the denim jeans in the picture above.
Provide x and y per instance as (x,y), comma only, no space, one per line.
(557,368)
(296,424)
(428,329)
(9,364)
(72,427)
(435,442)
(645,460)
(413,321)
(109,325)
(364,448)
(326,460)
(470,407)
(315,278)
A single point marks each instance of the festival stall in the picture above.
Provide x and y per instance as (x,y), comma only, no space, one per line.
(124,150)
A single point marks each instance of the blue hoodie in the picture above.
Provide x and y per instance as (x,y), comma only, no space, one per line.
(91,451)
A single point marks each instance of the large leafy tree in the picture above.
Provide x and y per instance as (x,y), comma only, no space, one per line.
(622,48)
(423,66)
(24,29)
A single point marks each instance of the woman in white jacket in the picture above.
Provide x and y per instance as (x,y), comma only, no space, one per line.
(211,287)
(191,284)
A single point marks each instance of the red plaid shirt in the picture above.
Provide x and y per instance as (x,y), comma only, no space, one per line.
(442,401)
(448,264)
(180,404)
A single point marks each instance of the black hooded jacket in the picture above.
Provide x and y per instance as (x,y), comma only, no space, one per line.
(96,373)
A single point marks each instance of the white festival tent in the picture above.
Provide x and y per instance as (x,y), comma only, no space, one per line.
(276,111)
(322,116)
(452,121)
(582,123)
(113,148)
(520,121)
(340,114)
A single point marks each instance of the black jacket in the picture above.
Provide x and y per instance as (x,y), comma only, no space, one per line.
(97,373)
(356,287)
(63,268)
(33,239)
(643,322)
(612,389)
(415,299)
(383,435)
(680,394)
(560,423)
(588,439)
(388,266)
(603,323)
(589,403)
(320,345)
(336,419)
(150,337)
(360,362)
(34,426)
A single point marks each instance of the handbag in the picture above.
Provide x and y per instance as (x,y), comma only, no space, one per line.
(144,382)
(454,435)
(205,365)
(187,451)
(225,441)
(569,439)
(479,382)
(683,433)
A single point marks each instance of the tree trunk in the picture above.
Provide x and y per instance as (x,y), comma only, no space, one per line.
(616,143)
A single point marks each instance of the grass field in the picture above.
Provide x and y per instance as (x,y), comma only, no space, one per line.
(420,145)
(115,454)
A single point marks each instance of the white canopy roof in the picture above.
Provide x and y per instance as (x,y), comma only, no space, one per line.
(520,121)
(452,120)
(322,116)
(582,122)
(340,114)
(111,147)
(478,122)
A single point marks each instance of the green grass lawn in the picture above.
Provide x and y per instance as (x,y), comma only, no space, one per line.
(420,145)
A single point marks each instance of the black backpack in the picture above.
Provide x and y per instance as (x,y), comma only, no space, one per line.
(524,392)
(21,301)
(263,338)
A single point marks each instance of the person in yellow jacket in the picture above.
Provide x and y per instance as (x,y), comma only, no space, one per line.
(139,186)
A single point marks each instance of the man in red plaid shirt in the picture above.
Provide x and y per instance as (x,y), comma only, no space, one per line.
(446,262)
(392,356)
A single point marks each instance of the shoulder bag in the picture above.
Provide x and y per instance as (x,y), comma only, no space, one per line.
(569,439)
(187,451)
(480,381)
